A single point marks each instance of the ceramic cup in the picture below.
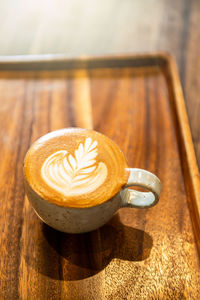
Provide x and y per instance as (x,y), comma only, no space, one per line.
(84,218)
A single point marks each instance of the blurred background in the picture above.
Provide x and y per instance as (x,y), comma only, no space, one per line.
(91,27)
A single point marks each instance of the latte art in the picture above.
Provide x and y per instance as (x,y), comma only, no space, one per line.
(75,174)
(75,167)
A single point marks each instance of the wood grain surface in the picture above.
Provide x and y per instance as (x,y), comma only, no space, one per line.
(139,254)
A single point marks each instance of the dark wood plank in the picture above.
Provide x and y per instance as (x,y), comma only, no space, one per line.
(191,85)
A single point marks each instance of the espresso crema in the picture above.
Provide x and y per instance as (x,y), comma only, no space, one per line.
(75,167)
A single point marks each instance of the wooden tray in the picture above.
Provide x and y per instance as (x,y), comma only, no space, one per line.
(140,254)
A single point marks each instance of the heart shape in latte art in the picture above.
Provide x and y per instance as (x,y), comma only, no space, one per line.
(75,174)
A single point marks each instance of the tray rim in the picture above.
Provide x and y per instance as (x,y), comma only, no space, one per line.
(45,58)
(61,61)
(163,59)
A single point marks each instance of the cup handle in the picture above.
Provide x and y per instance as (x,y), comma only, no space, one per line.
(144,179)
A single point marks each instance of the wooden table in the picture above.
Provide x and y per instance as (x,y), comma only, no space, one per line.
(95,28)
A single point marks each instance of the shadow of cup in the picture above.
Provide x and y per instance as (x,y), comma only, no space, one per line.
(83,255)
(70,257)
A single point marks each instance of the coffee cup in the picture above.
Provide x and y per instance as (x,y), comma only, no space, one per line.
(76,179)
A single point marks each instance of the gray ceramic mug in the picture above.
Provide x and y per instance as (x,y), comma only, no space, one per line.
(84,219)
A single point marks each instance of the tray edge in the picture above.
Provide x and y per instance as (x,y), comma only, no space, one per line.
(186,149)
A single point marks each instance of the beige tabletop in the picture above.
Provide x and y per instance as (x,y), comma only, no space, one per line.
(109,27)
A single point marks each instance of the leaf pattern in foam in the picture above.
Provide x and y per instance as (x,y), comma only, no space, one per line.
(63,170)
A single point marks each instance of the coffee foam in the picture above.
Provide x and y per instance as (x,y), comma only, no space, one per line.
(75,174)
(75,167)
